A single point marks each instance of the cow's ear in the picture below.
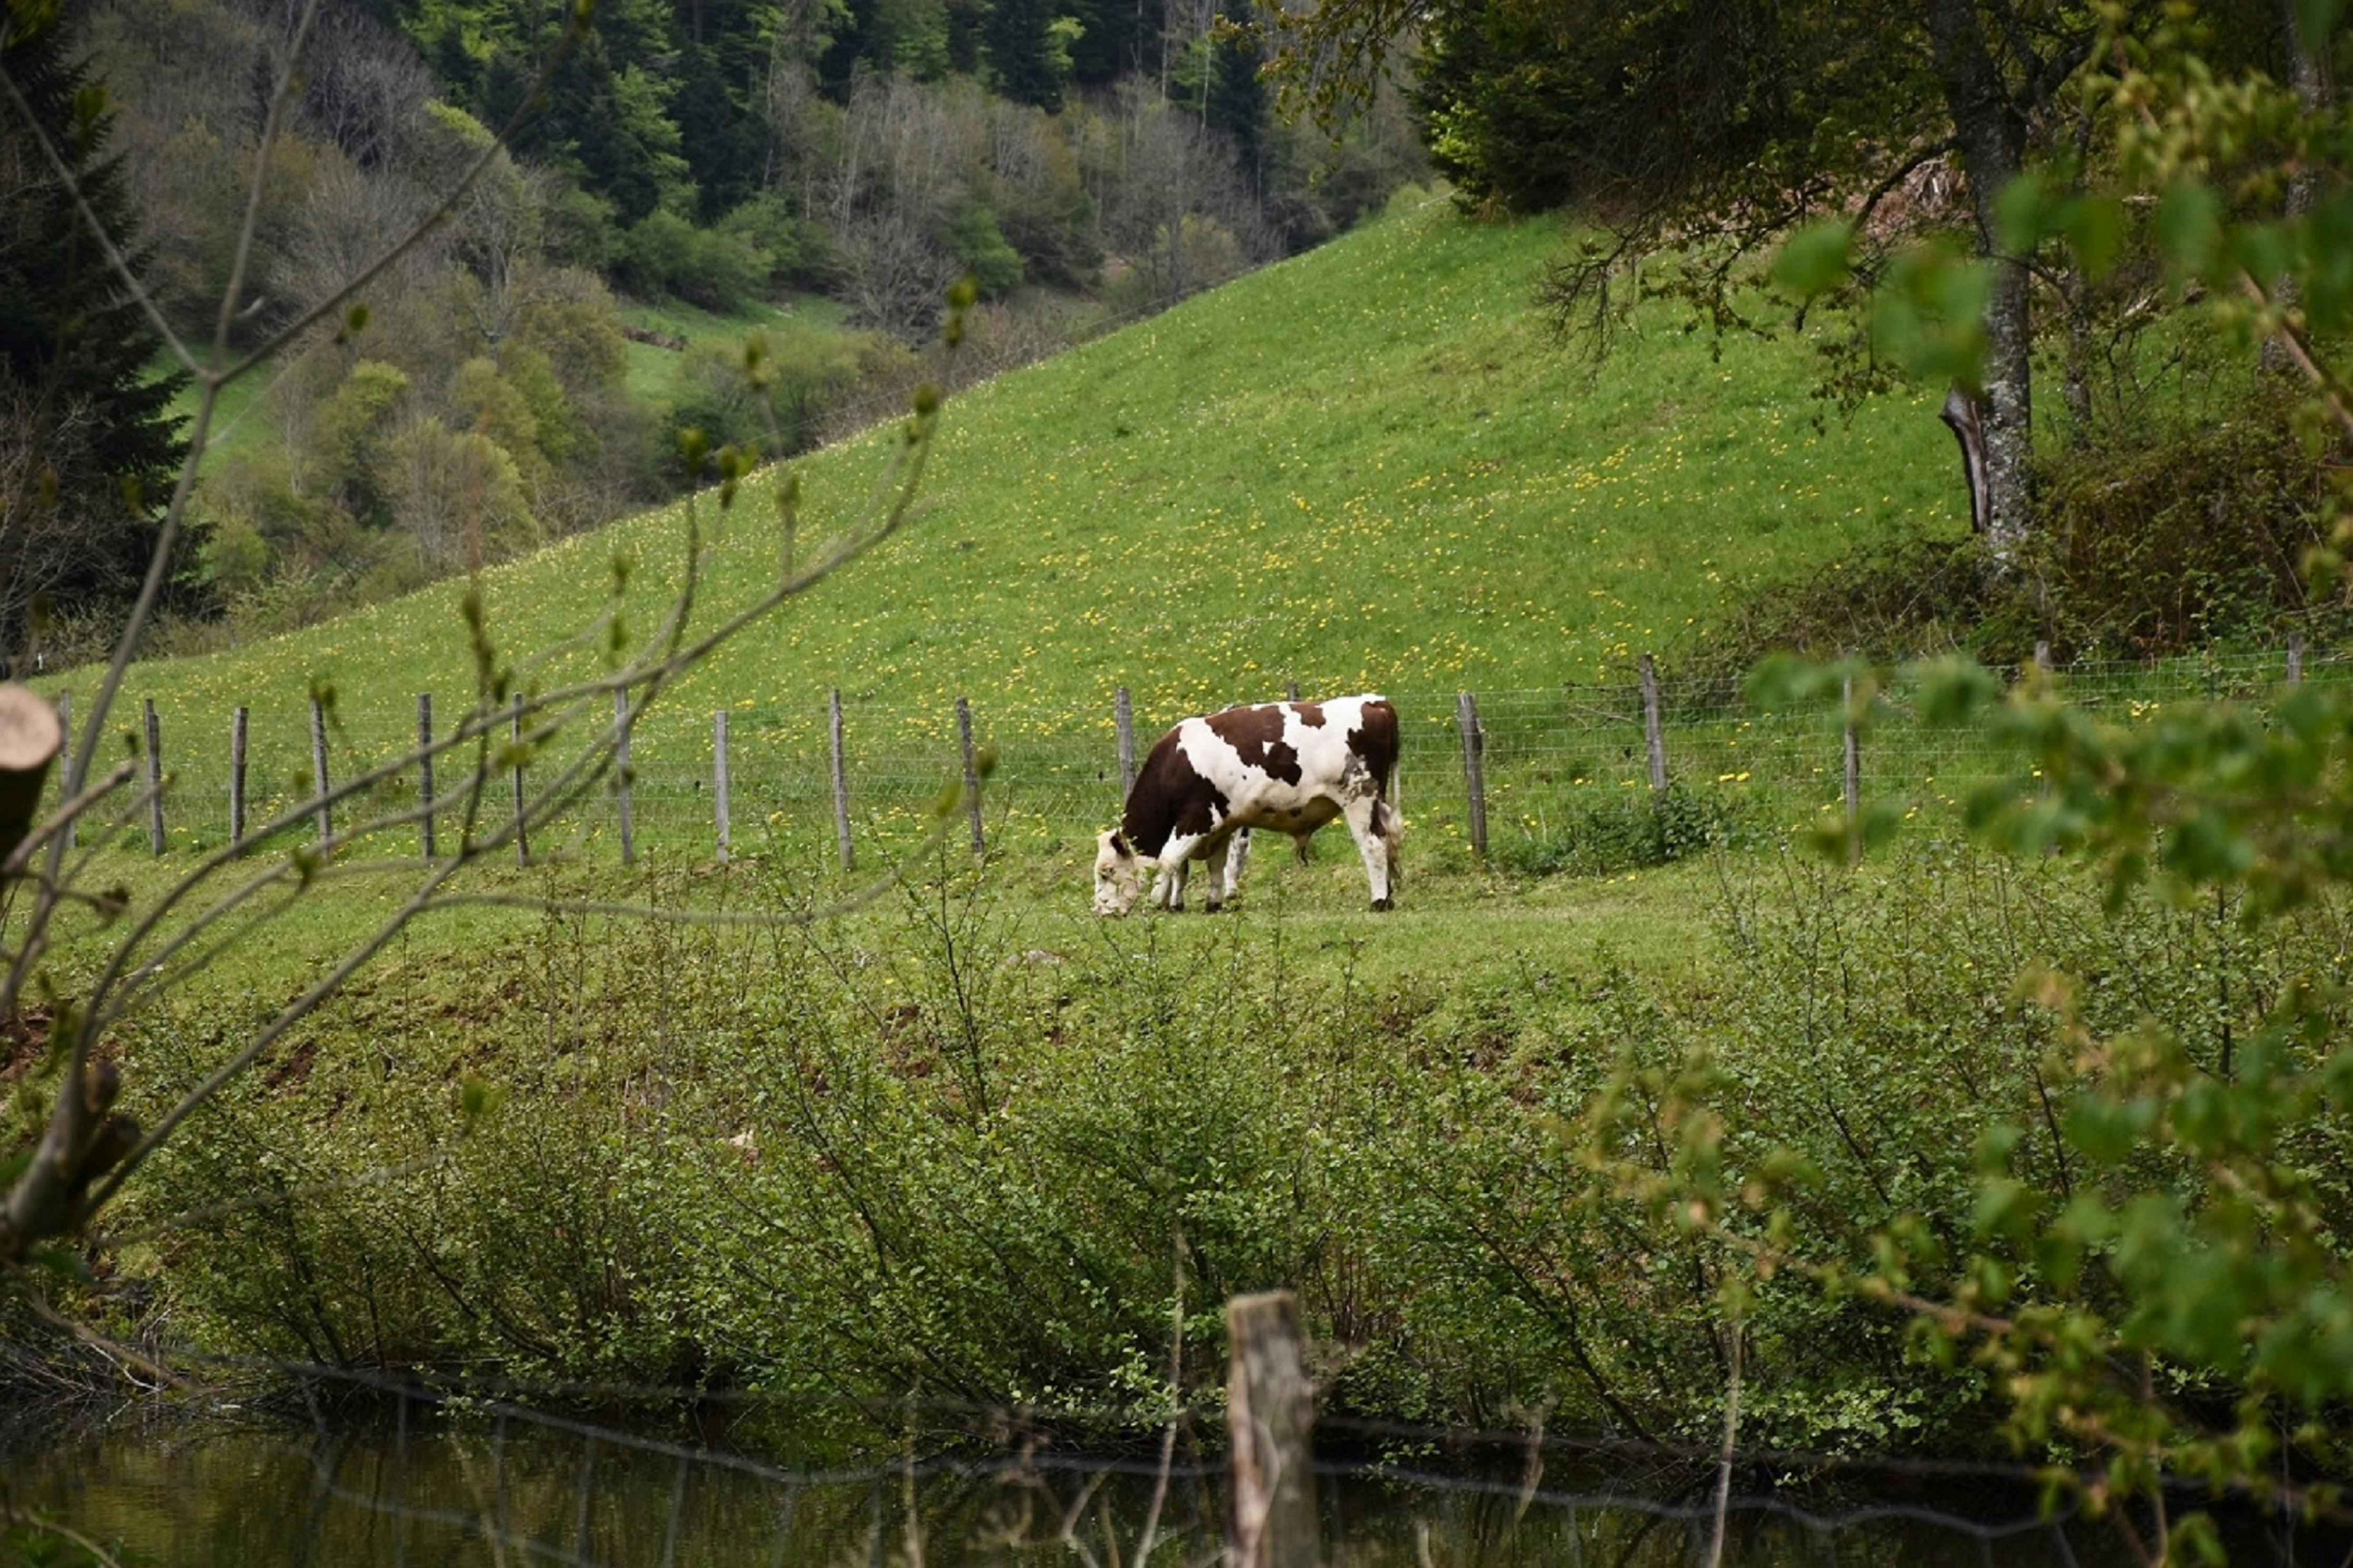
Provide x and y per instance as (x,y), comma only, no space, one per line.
(1119,846)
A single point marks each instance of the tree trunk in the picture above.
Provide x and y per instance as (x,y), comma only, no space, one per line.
(2307,72)
(1993,141)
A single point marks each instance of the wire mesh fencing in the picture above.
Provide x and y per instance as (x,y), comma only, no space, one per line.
(1552,767)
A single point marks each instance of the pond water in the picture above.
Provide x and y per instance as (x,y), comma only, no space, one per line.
(209,1495)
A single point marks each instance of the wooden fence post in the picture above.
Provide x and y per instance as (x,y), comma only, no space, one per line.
(65,784)
(2295,660)
(719,778)
(154,779)
(1123,720)
(621,774)
(1291,690)
(1474,774)
(425,771)
(2042,656)
(1853,771)
(971,774)
(1270,1416)
(237,725)
(324,814)
(522,826)
(1654,735)
(840,780)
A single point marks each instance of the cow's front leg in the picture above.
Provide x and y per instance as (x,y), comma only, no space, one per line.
(1364,817)
(1173,861)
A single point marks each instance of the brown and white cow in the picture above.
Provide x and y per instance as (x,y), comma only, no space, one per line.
(1288,766)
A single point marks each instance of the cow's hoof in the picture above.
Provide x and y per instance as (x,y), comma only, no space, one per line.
(1380,906)
(1212,908)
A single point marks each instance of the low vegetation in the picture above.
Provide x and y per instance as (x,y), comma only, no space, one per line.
(972,1144)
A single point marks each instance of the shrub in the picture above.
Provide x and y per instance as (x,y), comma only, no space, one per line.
(801,255)
(717,269)
(2154,544)
(975,239)
(2180,538)
(1597,840)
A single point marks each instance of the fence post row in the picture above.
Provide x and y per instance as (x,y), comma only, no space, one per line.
(237,727)
(1654,735)
(425,771)
(971,774)
(1474,777)
(154,779)
(324,814)
(621,772)
(840,779)
(65,778)
(1123,720)
(719,778)
(1271,1417)
(514,737)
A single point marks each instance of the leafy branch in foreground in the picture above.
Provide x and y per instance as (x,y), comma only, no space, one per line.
(2170,1299)
(2152,1276)
(55,1185)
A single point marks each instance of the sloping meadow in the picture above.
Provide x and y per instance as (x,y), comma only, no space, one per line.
(1372,465)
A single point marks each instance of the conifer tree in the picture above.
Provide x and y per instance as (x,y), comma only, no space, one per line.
(88,444)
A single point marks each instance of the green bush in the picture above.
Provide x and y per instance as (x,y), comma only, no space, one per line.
(976,240)
(801,253)
(1622,836)
(2177,539)
(717,269)
(922,1151)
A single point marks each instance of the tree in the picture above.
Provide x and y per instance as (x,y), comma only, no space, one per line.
(1022,51)
(1718,126)
(2173,1320)
(88,444)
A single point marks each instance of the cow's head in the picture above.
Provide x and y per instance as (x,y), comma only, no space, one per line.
(1118,873)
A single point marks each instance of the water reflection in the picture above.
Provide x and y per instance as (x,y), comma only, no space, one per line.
(203,1495)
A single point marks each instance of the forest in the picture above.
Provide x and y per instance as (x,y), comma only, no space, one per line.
(690,176)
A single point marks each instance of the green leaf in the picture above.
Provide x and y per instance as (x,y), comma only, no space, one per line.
(1817,259)
(2189,225)
(2025,214)
(2095,227)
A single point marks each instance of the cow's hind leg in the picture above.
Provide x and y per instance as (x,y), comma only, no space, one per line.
(1364,814)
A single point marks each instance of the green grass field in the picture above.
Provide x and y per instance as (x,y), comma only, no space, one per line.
(1370,466)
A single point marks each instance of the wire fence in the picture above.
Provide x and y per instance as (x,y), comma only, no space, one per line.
(364,1467)
(1553,764)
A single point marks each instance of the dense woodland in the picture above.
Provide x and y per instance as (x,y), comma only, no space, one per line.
(818,175)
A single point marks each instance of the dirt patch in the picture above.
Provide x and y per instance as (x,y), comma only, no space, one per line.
(24,1040)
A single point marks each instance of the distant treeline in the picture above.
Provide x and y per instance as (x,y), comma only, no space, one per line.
(1075,165)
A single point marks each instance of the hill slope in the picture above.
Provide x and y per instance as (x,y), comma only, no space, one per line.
(1368,467)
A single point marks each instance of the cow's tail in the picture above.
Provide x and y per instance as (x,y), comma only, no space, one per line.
(1379,728)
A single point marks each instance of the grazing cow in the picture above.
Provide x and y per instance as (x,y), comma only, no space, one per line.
(1288,766)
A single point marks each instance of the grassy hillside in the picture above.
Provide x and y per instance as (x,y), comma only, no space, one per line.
(1368,466)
